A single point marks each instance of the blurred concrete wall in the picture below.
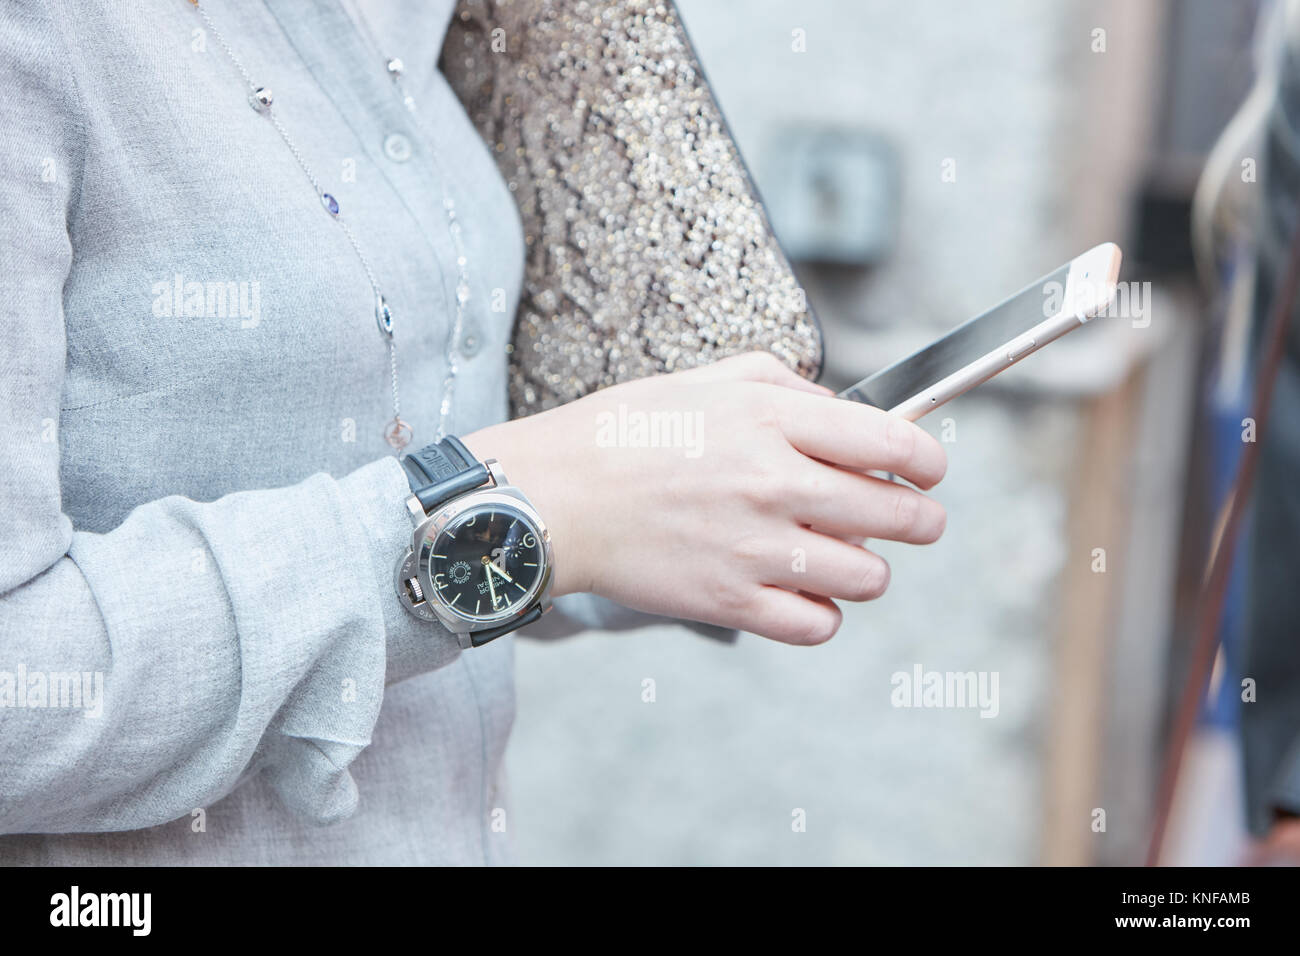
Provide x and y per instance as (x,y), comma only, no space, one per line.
(739,739)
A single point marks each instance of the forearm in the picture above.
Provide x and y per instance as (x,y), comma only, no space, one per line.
(255,632)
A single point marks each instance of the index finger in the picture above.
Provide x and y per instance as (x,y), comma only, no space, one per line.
(860,437)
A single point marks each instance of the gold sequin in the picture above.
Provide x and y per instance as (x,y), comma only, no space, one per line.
(655,253)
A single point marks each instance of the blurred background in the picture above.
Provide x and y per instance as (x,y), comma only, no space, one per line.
(921,162)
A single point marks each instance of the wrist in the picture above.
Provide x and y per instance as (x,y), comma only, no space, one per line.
(480,559)
(533,467)
(377,492)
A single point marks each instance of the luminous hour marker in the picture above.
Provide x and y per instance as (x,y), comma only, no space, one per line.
(455,599)
(530,564)
(478,604)
(443,556)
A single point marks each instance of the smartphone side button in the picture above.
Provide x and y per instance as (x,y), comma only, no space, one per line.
(1018,349)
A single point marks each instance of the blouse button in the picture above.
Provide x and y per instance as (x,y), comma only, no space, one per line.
(397,147)
(470,340)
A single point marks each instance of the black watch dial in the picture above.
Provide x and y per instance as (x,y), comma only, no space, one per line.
(487,564)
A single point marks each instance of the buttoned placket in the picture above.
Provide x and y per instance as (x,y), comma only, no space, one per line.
(351,75)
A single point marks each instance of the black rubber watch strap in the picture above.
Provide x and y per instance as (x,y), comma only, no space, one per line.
(438,461)
(479,638)
(443,470)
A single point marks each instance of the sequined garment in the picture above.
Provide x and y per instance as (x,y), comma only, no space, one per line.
(647,247)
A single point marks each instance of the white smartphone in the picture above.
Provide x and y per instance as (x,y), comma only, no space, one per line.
(977,350)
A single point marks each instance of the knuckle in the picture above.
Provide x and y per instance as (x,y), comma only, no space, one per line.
(761,486)
(749,551)
(873,579)
(900,441)
(812,484)
(755,489)
(756,366)
(758,404)
(907,514)
(734,363)
(732,599)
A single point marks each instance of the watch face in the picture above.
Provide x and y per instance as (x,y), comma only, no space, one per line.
(487,564)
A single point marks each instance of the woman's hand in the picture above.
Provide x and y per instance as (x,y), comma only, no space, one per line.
(733,494)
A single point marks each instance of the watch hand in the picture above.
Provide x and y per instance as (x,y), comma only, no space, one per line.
(488,564)
(492,566)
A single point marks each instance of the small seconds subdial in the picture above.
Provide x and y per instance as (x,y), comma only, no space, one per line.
(486,564)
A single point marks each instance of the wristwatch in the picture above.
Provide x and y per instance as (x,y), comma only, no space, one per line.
(480,559)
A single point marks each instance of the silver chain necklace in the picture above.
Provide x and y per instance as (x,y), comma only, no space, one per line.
(398,433)
(396,70)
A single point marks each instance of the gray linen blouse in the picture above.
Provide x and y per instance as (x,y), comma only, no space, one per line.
(197,504)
